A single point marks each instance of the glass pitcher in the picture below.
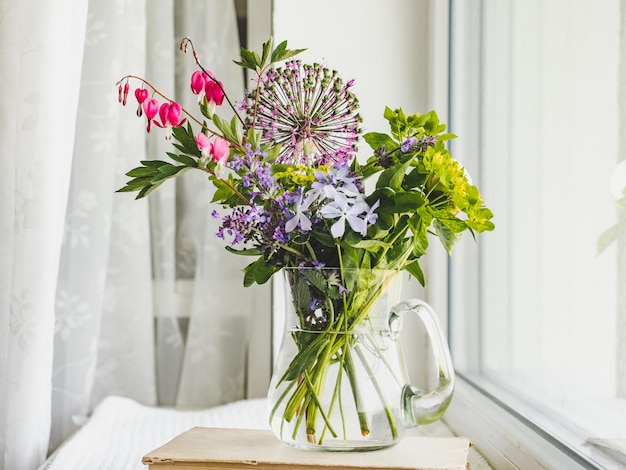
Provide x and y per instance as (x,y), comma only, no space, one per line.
(340,380)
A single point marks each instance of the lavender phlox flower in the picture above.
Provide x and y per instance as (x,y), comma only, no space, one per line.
(371,217)
(346,209)
(326,186)
(300,218)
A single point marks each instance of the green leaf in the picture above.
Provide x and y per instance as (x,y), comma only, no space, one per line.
(147,190)
(170,170)
(187,140)
(389,114)
(325,238)
(247,59)
(446,235)
(408,201)
(305,358)
(135,184)
(414,179)
(223,192)
(156,163)
(253,137)
(244,252)
(316,279)
(371,245)
(278,50)
(264,271)
(142,171)
(415,270)
(184,159)
(267,47)
(226,128)
(377,139)
(258,271)
(420,235)
(393,177)
(248,274)
(272,153)
(281,52)
(607,238)
(236,129)
(432,123)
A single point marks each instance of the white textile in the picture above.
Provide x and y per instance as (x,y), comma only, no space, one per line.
(121,431)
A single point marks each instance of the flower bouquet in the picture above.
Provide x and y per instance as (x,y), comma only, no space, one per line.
(291,194)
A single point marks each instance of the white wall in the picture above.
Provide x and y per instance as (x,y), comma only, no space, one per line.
(383,45)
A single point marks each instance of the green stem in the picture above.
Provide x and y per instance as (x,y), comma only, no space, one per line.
(381,393)
(356,392)
(311,430)
(336,397)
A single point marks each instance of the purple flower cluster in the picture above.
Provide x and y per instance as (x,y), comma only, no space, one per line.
(276,214)
(334,195)
(418,145)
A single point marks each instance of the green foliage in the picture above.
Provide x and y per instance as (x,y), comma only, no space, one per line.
(421,189)
(253,61)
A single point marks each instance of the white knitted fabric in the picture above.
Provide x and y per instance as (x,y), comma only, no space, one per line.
(121,431)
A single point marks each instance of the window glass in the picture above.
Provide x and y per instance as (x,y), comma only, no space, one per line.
(538,307)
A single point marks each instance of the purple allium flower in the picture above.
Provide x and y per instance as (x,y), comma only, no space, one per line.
(309,111)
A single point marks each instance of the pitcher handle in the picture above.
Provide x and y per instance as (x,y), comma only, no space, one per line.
(418,406)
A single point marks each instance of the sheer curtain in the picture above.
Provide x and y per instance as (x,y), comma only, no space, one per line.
(101,294)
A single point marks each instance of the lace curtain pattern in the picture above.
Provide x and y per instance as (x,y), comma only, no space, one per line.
(101,294)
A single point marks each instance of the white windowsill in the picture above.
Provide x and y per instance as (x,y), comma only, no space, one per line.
(525,439)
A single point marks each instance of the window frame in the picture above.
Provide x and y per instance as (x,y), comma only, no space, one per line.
(508,431)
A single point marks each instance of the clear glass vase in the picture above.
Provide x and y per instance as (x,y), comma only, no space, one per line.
(340,381)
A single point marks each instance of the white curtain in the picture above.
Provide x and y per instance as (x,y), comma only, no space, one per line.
(101,294)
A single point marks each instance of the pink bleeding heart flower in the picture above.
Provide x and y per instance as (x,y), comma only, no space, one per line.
(220,150)
(151,108)
(141,94)
(126,88)
(170,114)
(205,146)
(214,93)
(123,95)
(198,81)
